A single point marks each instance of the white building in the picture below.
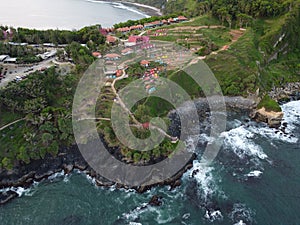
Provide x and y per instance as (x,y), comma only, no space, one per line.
(10,60)
(3,57)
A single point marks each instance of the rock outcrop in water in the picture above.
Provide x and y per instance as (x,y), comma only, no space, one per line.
(290,91)
(273,119)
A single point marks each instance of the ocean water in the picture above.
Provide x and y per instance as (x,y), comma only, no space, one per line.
(64,14)
(254,180)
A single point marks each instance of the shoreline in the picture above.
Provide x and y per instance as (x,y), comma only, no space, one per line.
(67,161)
(70,159)
(138,8)
(147,9)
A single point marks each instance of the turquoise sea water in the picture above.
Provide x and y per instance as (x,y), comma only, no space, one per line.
(254,180)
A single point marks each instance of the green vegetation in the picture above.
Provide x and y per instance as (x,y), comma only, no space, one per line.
(254,61)
(143,111)
(83,36)
(25,54)
(269,104)
(230,10)
(145,20)
(187,83)
(44,100)
(263,56)
(239,77)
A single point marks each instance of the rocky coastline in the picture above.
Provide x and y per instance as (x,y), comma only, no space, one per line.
(289,92)
(70,158)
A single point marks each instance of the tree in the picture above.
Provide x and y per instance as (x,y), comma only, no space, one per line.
(136,157)
(229,20)
(34,105)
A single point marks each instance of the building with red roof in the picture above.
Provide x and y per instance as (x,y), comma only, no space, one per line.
(119,73)
(136,40)
(146,125)
(145,63)
(127,51)
(112,56)
(111,39)
(171,20)
(123,29)
(97,54)
(103,31)
(137,27)
(181,18)
(164,21)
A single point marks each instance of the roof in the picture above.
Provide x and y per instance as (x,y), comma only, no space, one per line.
(10,60)
(3,57)
(119,73)
(136,27)
(123,29)
(112,55)
(103,31)
(146,125)
(111,39)
(145,62)
(182,18)
(126,50)
(96,54)
(171,20)
(156,22)
(138,39)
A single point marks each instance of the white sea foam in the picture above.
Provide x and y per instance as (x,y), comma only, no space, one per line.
(163,216)
(291,117)
(121,6)
(134,223)
(95,1)
(241,222)
(19,190)
(92,180)
(134,214)
(213,216)
(255,173)
(241,141)
(291,114)
(56,175)
(274,134)
(204,177)
(186,216)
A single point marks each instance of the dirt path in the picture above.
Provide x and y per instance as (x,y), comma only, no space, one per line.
(137,123)
(236,34)
(196,27)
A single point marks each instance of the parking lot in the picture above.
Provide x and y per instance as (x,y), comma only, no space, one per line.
(9,72)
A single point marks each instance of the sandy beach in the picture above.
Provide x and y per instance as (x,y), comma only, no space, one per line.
(149,10)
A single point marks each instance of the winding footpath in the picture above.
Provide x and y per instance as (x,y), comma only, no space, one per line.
(137,123)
